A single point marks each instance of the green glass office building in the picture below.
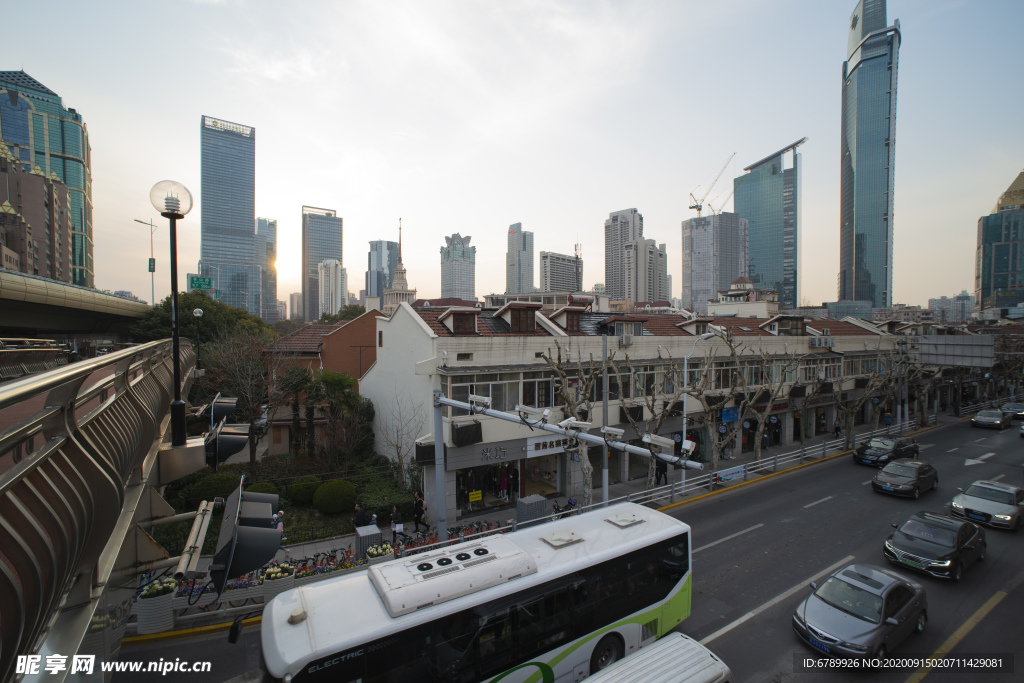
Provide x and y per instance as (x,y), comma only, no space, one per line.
(768,197)
(41,132)
(867,156)
(999,259)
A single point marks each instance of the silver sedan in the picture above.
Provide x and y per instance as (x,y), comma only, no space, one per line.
(861,611)
(991,502)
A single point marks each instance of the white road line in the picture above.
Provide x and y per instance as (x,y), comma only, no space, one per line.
(952,449)
(817,501)
(997,477)
(774,601)
(727,538)
(981,439)
(866,482)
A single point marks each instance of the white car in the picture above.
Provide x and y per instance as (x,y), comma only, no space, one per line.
(992,503)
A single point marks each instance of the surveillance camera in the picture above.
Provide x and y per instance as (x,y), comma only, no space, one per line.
(544,413)
(482,400)
(612,431)
(573,423)
(656,440)
(689,446)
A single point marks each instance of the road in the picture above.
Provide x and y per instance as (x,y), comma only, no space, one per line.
(756,548)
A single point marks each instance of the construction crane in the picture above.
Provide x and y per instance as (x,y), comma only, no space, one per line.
(698,204)
(721,207)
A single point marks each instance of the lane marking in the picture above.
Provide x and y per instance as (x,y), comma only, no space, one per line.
(997,477)
(866,482)
(923,446)
(776,600)
(817,501)
(981,439)
(952,449)
(727,538)
(960,634)
(977,461)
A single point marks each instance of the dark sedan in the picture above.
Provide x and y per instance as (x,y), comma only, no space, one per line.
(936,544)
(993,419)
(1013,410)
(880,450)
(905,477)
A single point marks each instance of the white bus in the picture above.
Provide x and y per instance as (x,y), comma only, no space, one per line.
(676,658)
(554,601)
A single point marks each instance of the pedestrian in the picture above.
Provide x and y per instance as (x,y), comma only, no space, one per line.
(837,428)
(943,406)
(765,442)
(396,524)
(360,519)
(661,472)
(418,509)
(279,523)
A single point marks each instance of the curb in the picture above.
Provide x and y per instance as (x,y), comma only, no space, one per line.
(187,633)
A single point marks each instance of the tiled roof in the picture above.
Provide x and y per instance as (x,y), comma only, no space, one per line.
(486,325)
(838,328)
(742,327)
(306,339)
(446,302)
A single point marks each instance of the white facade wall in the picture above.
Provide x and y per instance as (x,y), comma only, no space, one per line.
(333,284)
(558,272)
(620,228)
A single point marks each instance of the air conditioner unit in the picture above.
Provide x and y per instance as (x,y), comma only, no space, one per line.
(625,340)
(813,342)
(827,341)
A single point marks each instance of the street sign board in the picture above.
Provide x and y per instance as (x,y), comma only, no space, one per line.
(196,282)
(730,414)
(152,265)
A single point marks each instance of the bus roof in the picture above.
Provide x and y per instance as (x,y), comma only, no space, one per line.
(606,533)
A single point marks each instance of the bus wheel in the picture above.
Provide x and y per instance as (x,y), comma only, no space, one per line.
(607,652)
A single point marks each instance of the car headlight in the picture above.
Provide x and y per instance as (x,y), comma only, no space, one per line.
(936,563)
(957,505)
(901,486)
(854,646)
(889,546)
(1005,518)
(796,617)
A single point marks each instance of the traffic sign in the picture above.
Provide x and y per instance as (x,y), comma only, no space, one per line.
(196,282)
(152,265)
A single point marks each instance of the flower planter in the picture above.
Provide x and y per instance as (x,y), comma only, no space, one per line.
(182,603)
(272,587)
(382,558)
(155,615)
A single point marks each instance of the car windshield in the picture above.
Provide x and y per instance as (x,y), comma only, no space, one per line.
(851,599)
(990,413)
(900,470)
(927,532)
(995,495)
(879,443)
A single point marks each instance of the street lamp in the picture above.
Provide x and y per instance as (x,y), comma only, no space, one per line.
(686,381)
(173,201)
(198,313)
(152,261)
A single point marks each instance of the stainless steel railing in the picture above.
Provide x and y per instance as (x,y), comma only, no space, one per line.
(64,469)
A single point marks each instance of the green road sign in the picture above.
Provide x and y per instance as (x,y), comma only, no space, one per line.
(152,265)
(216,294)
(196,282)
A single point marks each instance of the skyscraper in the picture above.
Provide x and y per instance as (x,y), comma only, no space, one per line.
(40,132)
(266,257)
(380,267)
(621,228)
(321,240)
(519,261)
(714,254)
(646,271)
(227,250)
(333,286)
(458,268)
(295,306)
(560,272)
(999,269)
(867,156)
(768,197)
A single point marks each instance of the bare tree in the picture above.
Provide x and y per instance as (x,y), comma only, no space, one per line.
(763,379)
(399,424)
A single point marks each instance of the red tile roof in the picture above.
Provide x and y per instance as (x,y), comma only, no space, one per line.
(839,328)
(486,325)
(306,339)
(446,302)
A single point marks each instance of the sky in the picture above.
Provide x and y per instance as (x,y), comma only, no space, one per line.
(470,116)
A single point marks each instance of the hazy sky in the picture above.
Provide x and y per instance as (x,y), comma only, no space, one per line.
(469,116)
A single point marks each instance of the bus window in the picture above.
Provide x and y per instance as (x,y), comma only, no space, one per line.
(495,644)
(544,623)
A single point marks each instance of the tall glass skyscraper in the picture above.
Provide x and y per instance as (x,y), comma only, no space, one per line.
(519,261)
(380,267)
(227,249)
(768,197)
(41,133)
(867,156)
(321,241)
(266,257)
(458,268)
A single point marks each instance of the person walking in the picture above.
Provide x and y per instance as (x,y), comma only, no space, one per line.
(837,428)
(396,524)
(765,441)
(360,519)
(418,510)
(661,472)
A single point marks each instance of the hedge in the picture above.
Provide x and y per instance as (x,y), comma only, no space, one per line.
(335,497)
(378,496)
(303,490)
(262,487)
(220,485)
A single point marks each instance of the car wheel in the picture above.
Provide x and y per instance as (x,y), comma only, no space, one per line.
(917,492)
(607,652)
(958,571)
(922,619)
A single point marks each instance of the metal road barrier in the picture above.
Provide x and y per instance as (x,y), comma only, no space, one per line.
(67,472)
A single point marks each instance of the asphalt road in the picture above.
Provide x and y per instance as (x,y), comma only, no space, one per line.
(757,548)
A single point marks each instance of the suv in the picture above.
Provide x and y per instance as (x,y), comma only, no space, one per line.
(936,544)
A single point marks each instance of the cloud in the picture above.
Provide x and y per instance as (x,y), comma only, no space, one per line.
(303,65)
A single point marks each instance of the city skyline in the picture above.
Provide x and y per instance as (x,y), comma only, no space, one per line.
(384,160)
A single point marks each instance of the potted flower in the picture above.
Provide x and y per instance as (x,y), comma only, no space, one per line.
(277,580)
(153,608)
(380,553)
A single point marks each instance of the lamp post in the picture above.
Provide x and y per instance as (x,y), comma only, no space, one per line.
(198,313)
(152,272)
(173,201)
(686,381)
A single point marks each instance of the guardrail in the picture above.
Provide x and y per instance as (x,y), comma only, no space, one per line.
(66,469)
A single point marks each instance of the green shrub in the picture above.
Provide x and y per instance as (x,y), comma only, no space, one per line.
(212,486)
(303,490)
(262,487)
(334,497)
(379,495)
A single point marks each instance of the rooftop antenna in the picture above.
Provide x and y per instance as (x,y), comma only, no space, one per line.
(579,266)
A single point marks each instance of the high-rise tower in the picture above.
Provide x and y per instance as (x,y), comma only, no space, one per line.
(40,133)
(867,156)
(621,228)
(458,268)
(321,241)
(266,257)
(519,261)
(381,262)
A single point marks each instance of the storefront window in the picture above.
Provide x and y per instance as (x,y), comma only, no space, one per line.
(486,486)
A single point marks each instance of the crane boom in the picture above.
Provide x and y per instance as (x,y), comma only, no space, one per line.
(698,204)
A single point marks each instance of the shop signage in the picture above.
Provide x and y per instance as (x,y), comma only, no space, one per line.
(730,414)
(773,419)
(537,446)
(730,474)
(746,424)
(722,429)
(488,453)
(776,407)
(475,496)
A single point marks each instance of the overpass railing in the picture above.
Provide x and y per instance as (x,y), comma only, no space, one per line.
(65,473)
